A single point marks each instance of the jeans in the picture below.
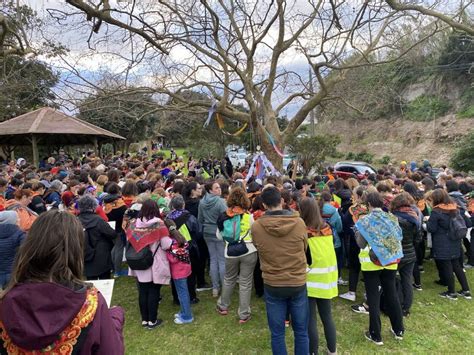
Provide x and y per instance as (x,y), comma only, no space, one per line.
(117,254)
(183,296)
(276,312)
(406,275)
(324,308)
(354,265)
(4,280)
(148,300)
(217,255)
(240,268)
(373,281)
(446,269)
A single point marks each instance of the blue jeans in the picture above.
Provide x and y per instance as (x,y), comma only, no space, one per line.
(183,296)
(217,261)
(277,307)
(4,279)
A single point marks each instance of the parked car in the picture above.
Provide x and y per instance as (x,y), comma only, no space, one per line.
(238,158)
(354,169)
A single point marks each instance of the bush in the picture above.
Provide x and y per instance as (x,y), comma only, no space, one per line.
(364,156)
(463,156)
(467,106)
(350,156)
(385,160)
(426,108)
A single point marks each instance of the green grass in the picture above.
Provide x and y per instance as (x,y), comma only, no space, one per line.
(436,325)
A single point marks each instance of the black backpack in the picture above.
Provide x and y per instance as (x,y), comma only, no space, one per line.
(141,260)
(457,227)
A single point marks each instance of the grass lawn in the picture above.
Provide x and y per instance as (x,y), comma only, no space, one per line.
(436,325)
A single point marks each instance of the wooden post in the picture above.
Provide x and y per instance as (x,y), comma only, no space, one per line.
(96,146)
(34,144)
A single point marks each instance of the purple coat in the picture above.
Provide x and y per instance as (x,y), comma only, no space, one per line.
(34,314)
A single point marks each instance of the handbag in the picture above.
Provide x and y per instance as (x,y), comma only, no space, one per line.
(238,248)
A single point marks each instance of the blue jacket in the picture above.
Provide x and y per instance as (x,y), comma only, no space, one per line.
(438,225)
(331,215)
(11,237)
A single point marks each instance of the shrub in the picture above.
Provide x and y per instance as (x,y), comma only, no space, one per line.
(385,160)
(463,156)
(426,108)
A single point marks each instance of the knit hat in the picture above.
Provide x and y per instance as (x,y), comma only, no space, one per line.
(426,162)
(8,217)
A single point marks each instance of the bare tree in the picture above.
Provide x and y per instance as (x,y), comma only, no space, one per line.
(255,53)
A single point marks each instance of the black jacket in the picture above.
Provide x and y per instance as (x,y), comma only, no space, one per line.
(37,205)
(438,225)
(411,236)
(192,205)
(101,237)
(346,199)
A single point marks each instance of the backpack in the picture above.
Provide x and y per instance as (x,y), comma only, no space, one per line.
(230,228)
(457,227)
(89,247)
(141,260)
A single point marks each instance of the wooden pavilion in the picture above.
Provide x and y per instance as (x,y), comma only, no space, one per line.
(47,126)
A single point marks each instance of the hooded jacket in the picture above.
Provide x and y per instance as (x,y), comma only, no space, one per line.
(101,238)
(281,241)
(210,208)
(411,235)
(34,315)
(438,225)
(11,237)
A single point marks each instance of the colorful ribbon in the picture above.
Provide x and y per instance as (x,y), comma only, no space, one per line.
(272,142)
(220,124)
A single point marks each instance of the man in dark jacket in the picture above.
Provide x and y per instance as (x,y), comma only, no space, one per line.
(11,237)
(98,242)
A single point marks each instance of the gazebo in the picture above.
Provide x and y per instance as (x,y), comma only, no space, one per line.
(48,126)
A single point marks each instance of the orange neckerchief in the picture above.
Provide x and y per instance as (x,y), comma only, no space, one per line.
(323,232)
(231,212)
(108,207)
(447,206)
(64,345)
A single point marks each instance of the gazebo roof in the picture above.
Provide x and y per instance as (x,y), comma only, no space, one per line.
(57,127)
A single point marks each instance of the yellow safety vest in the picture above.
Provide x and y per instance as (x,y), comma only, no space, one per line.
(367,265)
(185,232)
(245,227)
(321,279)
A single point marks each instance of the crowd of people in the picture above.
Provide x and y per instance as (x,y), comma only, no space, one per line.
(70,221)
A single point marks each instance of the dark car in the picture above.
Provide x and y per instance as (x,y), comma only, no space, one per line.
(354,169)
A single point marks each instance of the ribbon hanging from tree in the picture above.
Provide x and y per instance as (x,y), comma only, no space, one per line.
(273,143)
(220,124)
(211,112)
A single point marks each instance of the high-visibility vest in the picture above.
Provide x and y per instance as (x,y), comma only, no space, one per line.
(322,274)
(185,232)
(245,227)
(367,265)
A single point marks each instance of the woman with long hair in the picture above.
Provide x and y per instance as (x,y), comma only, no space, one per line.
(47,306)
(238,266)
(322,274)
(149,231)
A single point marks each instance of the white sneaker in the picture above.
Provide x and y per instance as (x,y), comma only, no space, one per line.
(215,292)
(350,296)
(342,282)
